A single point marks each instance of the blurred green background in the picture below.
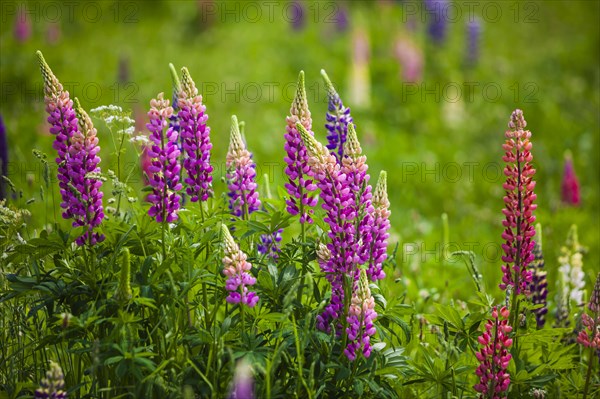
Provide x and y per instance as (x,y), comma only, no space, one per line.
(438,135)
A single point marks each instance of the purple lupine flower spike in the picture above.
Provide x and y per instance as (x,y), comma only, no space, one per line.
(165,166)
(494,356)
(354,166)
(338,200)
(87,210)
(381,225)
(361,316)
(299,186)
(241,174)
(438,19)
(53,385)
(518,225)
(236,268)
(338,118)
(195,135)
(63,124)
(77,147)
(243,384)
(473,38)
(538,286)
(3,156)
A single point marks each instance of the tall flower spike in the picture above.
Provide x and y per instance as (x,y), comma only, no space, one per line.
(241,174)
(53,385)
(243,384)
(123,292)
(380,228)
(165,166)
(64,126)
(473,39)
(571,269)
(299,186)
(361,317)
(338,118)
(338,204)
(438,19)
(86,207)
(354,166)
(494,357)
(538,286)
(570,183)
(236,269)
(195,135)
(518,225)
(590,334)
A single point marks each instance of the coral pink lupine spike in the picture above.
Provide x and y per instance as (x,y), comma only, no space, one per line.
(519,206)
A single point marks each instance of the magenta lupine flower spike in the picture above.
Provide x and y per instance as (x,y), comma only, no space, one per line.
(241,172)
(518,225)
(64,126)
(236,269)
(361,316)
(538,286)
(87,210)
(494,357)
(380,227)
(299,184)
(338,202)
(354,166)
(195,136)
(570,183)
(338,118)
(165,166)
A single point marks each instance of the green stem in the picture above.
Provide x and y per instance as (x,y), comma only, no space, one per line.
(588,375)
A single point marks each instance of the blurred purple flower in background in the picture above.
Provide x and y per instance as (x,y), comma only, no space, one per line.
(53,385)
(243,384)
(437,17)
(53,33)
(341,18)
(296,15)
(473,39)
(410,57)
(22,25)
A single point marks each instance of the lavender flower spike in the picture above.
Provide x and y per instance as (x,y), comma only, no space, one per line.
(195,135)
(298,186)
(381,225)
(241,172)
(165,165)
(53,385)
(341,259)
(236,269)
(538,286)
(87,209)
(338,118)
(361,316)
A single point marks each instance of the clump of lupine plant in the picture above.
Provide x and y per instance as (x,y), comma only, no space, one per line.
(195,135)
(539,286)
(570,184)
(77,147)
(589,337)
(53,385)
(571,274)
(299,185)
(236,268)
(518,224)
(494,357)
(241,174)
(338,118)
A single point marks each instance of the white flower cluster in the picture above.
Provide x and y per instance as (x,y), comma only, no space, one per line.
(116,119)
(572,277)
